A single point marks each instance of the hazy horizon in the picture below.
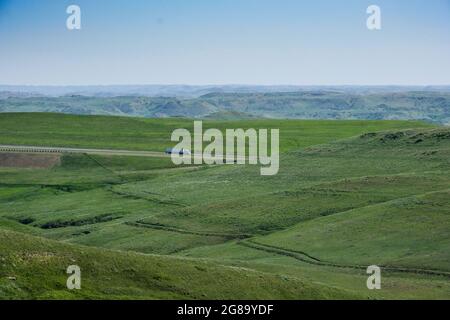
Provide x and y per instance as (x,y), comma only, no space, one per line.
(221,85)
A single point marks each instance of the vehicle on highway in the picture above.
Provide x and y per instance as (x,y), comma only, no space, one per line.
(182,151)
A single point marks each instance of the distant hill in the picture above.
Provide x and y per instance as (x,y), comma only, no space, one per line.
(229,115)
(412,105)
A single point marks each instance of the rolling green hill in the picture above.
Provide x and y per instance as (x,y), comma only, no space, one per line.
(35,268)
(348,194)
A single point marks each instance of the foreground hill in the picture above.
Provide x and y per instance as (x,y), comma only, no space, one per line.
(32,267)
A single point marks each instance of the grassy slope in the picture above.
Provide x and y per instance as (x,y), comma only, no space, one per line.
(119,275)
(410,232)
(391,208)
(192,205)
(394,285)
(406,228)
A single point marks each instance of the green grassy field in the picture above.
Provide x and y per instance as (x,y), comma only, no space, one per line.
(348,194)
(48,129)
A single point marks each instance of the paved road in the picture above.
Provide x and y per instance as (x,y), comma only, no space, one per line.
(34,149)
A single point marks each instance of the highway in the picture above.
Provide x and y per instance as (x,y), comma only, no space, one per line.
(108,152)
(34,149)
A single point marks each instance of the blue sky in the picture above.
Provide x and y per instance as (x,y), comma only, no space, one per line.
(320,42)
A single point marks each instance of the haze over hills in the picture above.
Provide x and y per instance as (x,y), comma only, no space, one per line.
(236,102)
(199,90)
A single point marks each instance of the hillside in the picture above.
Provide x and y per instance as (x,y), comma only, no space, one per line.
(348,194)
(26,260)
